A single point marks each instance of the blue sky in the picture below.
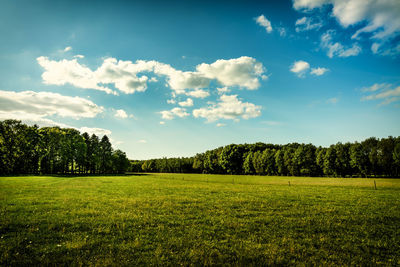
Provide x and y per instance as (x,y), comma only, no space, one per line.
(178,78)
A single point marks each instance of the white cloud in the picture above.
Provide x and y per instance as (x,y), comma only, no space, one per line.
(97,131)
(79,56)
(142,141)
(162,122)
(221,124)
(40,105)
(308,4)
(282,31)
(127,78)
(198,93)
(243,72)
(187,103)
(69,71)
(264,22)
(306,24)
(171,101)
(385,49)
(337,49)
(35,108)
(318,71)
(175,112)
(123,74)
(120,113)
(300,67)
(223,90)
(68,48)
(229,107)
(380,18)
(388,95)
(376,87)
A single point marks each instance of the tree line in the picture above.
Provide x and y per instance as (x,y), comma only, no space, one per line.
(370,158)
(53,150)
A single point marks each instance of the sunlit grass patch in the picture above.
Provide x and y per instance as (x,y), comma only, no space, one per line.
(172,219)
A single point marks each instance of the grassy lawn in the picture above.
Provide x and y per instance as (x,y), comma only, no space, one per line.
(182,219)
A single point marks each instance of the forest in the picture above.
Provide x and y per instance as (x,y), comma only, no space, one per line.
(53,150)
(370,158)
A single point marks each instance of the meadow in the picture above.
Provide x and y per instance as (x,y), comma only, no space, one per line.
(194,219)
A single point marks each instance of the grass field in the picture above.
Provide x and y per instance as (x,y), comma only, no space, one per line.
(187,219)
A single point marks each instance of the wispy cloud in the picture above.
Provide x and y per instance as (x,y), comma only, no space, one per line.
(264,22)
(384,92)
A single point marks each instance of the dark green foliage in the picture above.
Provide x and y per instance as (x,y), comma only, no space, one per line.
(53,150)
(370,158)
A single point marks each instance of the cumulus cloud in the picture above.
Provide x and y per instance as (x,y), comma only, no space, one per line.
(336,48)
(264,22)
(187,103)
(221,124)
(79,56)
(318,71)
(198,93)
(175,112)
(36,108)
(70,71)
(223,90)
(229,107)
(379,18)
(306,24)
(22,105)
(68,48)
(300,67)
(171,101)
(128,77)
(243,72)
(162,122)
(384,92)
(97,131)
(120,113)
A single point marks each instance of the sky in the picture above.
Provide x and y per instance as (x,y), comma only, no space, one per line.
(176,78)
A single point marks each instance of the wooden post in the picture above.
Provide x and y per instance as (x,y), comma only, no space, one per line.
(289,183)
(375,184)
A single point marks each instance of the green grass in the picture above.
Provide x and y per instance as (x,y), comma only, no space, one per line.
(186,219)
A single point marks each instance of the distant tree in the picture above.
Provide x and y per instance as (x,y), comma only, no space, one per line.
(330,161)
(248,167)
(359,159)
(280,162)
(320,159)
(231,159)
(342,161)
(120,162)
(268,159)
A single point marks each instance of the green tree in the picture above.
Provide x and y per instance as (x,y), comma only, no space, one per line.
(248,167)
(105,155)
(231,159)
(120,162)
